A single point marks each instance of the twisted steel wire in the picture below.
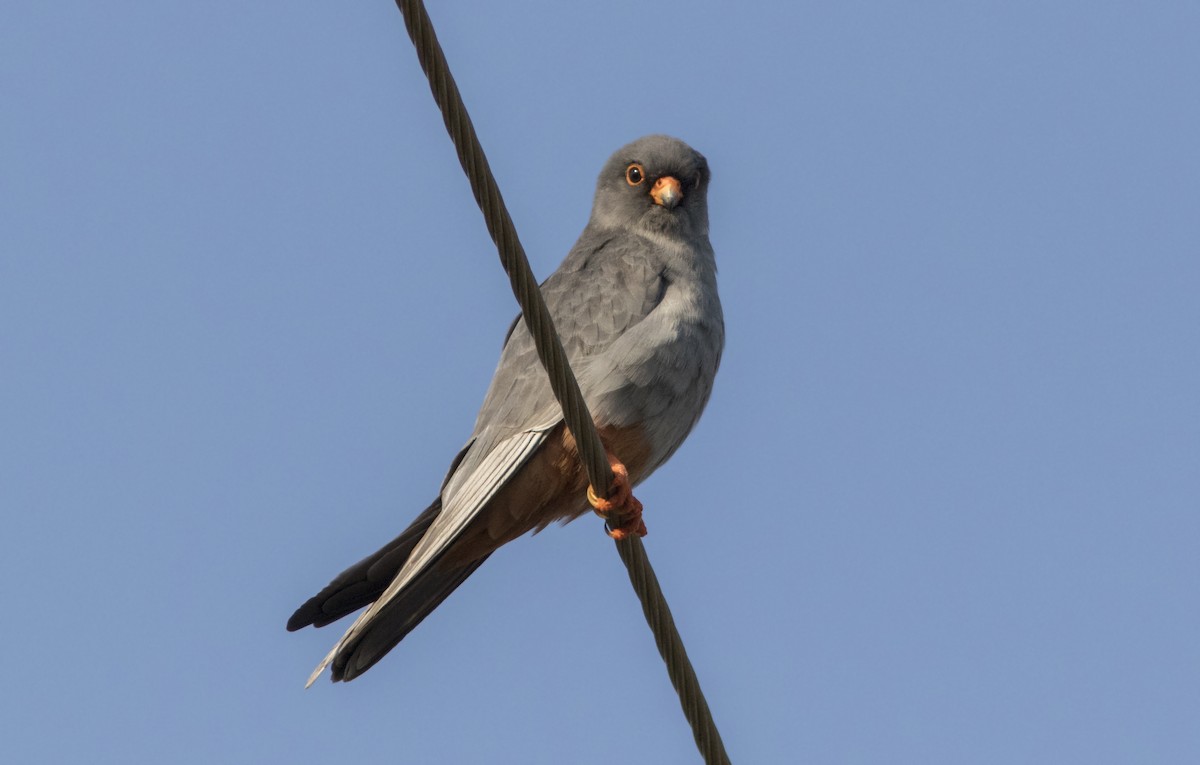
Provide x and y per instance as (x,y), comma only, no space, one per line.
(566,389)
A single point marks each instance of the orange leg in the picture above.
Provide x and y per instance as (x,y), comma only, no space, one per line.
(620,504)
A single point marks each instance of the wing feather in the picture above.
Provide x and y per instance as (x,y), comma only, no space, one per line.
(460,505)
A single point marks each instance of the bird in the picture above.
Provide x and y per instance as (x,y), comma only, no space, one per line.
(636,307)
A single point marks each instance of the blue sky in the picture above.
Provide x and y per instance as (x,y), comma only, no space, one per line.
(943,506)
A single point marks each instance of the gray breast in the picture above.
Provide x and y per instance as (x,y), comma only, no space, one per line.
(660,373)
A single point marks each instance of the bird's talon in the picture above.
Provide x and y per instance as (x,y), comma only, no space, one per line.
(620,502)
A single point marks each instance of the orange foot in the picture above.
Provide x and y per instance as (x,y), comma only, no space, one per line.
(621,502)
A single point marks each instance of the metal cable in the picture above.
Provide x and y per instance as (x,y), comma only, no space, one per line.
(566,389)
(512,254)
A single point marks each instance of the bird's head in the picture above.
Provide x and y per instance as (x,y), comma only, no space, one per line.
(657,185)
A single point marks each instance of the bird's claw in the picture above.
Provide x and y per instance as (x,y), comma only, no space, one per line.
(620,504)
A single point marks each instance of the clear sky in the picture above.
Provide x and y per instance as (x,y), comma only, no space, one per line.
(944,506)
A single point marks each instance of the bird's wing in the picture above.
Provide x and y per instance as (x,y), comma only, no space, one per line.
(605,286)
(458,510)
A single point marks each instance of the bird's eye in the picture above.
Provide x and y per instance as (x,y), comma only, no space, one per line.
(635,174)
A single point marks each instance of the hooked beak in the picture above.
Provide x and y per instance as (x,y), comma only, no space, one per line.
(667,192)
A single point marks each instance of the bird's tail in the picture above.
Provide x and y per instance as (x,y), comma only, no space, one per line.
(363,583)
(399,617)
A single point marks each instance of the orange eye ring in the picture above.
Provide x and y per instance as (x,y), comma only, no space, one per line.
(635,174)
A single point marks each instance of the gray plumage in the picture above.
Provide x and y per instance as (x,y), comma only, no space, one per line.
(635,304)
